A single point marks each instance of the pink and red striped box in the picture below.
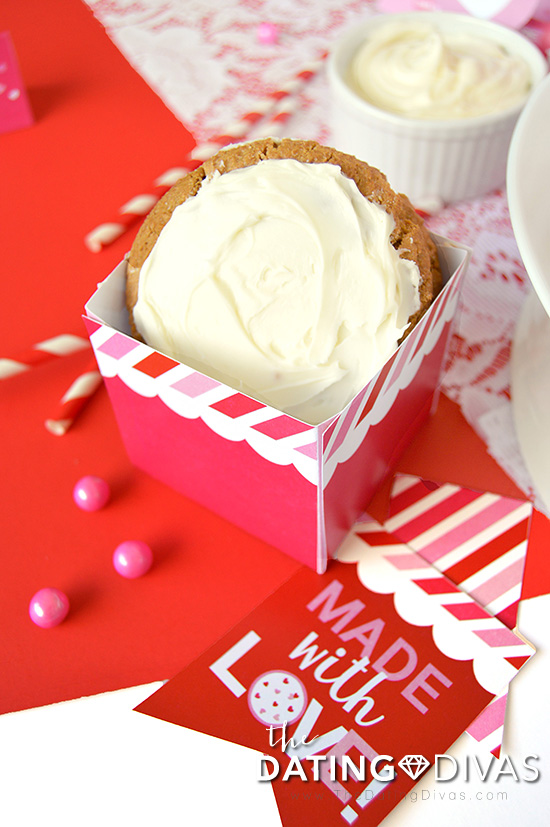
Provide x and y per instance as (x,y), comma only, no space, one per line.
(296,486)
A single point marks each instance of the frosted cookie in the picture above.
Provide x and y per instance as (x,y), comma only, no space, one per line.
(287,270)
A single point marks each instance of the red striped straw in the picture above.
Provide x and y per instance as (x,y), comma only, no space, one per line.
(46,351)
(74,400)
(279,117)
(135,209)
(138,207)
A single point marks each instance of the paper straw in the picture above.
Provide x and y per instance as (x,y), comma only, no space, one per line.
(39,354)
(74,400)
(241,129)
(278,119)
(138,207)
(134,209)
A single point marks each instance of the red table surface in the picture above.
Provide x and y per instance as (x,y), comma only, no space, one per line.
(101,134)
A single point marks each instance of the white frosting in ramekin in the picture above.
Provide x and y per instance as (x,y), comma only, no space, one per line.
(279,280)
(417,70)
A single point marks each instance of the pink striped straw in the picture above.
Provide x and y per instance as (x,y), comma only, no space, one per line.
(74,400)
(138,207)
(46,351)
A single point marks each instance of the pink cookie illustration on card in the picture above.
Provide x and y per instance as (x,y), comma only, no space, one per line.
(277,697)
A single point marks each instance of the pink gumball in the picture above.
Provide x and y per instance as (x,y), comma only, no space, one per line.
(91,493)
(48,607)
(133,558)
(267,33)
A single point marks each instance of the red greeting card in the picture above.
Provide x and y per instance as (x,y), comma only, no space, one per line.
(349,684)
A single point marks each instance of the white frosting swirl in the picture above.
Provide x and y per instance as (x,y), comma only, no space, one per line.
(280,280)
(415,70)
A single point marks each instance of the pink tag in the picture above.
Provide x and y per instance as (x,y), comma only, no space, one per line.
(514,13)
(15,110)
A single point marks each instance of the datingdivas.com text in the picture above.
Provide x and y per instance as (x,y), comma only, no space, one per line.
(415,796)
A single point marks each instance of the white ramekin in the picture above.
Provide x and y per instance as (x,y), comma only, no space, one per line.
(448,159)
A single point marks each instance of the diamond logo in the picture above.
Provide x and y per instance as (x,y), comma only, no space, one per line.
(414,765)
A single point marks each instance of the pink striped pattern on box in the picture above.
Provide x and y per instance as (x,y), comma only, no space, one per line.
(308,450)
(438,586)
(118,346)
(438,512)
(478,541)
(466,529)
(489,537)
(373,391)
(191,394)
(488,728)
(195,385)
(499,637)
(401,361)
(488,552)
(341,429)
(466,611)
(281,427)
(493,588)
